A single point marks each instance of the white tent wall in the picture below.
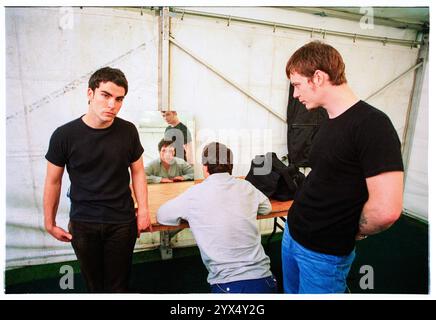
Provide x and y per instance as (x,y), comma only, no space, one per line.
(49,63)
(416,189)
(255,56)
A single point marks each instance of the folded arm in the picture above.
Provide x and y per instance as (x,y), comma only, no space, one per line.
(187,171)
(172,212)
(264,207)
(151,175)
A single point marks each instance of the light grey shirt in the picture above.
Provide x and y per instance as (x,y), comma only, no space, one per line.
(222,214)
(155,170)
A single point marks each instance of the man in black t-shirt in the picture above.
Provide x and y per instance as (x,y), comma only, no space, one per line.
(98,149)
(180,135)
(355,185)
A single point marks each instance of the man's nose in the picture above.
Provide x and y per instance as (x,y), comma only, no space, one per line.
(111,103)
(296,93)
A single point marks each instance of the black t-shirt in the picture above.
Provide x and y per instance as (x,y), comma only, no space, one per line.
(97,161)
(358,144)
(181,136)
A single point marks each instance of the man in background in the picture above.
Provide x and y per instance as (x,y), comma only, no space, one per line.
(168,168)
(180,135)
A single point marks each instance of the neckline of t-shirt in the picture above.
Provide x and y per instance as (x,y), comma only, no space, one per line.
(349,110)
(95,129)
(175,125)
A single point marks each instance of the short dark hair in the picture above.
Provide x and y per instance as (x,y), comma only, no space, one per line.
(108,74)
(217,158)
(163,143)
(317,55)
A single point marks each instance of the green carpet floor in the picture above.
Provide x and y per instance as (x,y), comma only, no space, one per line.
(398,258)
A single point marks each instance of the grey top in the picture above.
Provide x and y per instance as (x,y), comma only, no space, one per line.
(222,214)
(155,170)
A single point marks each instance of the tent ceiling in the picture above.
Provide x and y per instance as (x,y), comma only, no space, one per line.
(401,17)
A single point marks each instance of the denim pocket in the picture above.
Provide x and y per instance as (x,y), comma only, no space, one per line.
(228,288)
(220,289)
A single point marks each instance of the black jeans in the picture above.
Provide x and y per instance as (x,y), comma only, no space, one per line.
(105,254)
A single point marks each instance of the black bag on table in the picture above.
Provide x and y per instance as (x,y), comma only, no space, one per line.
(275,179)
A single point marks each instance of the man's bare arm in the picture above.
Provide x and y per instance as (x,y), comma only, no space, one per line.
(52,191)
(139,184)
(384,205)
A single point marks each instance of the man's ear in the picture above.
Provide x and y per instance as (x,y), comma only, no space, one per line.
(320,77)
(90,94)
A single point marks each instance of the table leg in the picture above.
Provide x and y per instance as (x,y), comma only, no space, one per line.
(276,225)
(166,252)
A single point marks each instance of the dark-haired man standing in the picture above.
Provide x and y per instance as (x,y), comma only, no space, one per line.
(222,213)
(98,149)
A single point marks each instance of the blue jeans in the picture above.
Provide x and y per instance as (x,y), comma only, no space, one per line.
(263,285)
(105,254)
(307,271)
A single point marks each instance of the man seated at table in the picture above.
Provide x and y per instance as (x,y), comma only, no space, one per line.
(222,214)
(168,168)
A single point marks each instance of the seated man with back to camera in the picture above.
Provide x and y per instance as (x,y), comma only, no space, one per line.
(222,214)
(168,168)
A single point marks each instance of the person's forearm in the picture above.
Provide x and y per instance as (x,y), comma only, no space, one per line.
(384,205)
(52,193)
(150,172)
(172,211)
(188,172)
(139,184)
(153,179)
(188,176)
(374,219)
(264,207)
